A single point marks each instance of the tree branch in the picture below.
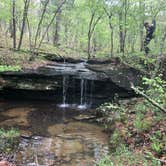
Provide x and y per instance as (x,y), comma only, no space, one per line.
(57,10)
(154,103)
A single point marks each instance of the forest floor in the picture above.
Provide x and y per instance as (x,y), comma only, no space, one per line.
(137,133)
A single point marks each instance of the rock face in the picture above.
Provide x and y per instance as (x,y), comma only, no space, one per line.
(100,80)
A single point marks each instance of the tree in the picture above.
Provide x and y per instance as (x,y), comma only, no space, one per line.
(95,16)
(14,23)
(109,14)
(123,11)
(25,13)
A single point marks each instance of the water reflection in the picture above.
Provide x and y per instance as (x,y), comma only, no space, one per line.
(51,136)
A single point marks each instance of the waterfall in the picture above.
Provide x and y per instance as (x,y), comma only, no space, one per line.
(82,91)
(64,89)
(91,92)
(64,94)
(83,94)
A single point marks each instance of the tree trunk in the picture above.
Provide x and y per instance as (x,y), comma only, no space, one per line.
(109,15)
(51,22)
(142,18)
(14,23)
(125,5)
(90,35)
(92,25)
(159,61)
(57,29)
(121,40)
(112,42)
(30,34)
(25,13)
(40,22)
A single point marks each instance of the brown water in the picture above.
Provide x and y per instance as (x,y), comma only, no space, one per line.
(52,136)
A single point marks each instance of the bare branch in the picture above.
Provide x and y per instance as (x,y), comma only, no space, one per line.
(154,103)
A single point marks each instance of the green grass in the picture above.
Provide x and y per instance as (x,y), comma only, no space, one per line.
(4,68)
(9,139)
(123,156)
(9,133)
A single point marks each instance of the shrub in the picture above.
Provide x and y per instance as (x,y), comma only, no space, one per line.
(9,139)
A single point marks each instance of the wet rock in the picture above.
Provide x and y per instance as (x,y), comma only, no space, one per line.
(37,138)
(26,134)
(84,117)
(114,61)
(103,78)
(63,59)
(120,74)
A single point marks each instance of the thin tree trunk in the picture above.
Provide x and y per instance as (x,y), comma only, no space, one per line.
(90,35)
(14,23)
(30,34)
(40,22)
(111,29)
(159,62)
(48,37)
(121,32)
(92,25)
(57,28)
(112,42)
(51,22)
(125,22)
(26,6)
(142,17)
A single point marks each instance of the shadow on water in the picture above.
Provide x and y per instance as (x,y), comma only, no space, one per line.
(53,135)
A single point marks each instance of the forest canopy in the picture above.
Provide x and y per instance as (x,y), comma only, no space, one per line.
(98,27)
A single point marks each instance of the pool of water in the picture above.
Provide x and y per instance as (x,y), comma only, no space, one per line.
(53,136)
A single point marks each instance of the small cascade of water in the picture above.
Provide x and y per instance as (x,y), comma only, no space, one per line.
(83,93)
(65,88)
(91,92)
(82,90)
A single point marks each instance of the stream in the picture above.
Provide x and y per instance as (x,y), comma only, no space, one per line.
(53,135)
(53,107)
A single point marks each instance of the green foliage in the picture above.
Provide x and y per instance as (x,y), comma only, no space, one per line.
(116,139)
(123,156)
(9,139)
(4,68)
(157,89)
(74,24)
(158,142)
(112,113)
(140,124)
(105,161)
